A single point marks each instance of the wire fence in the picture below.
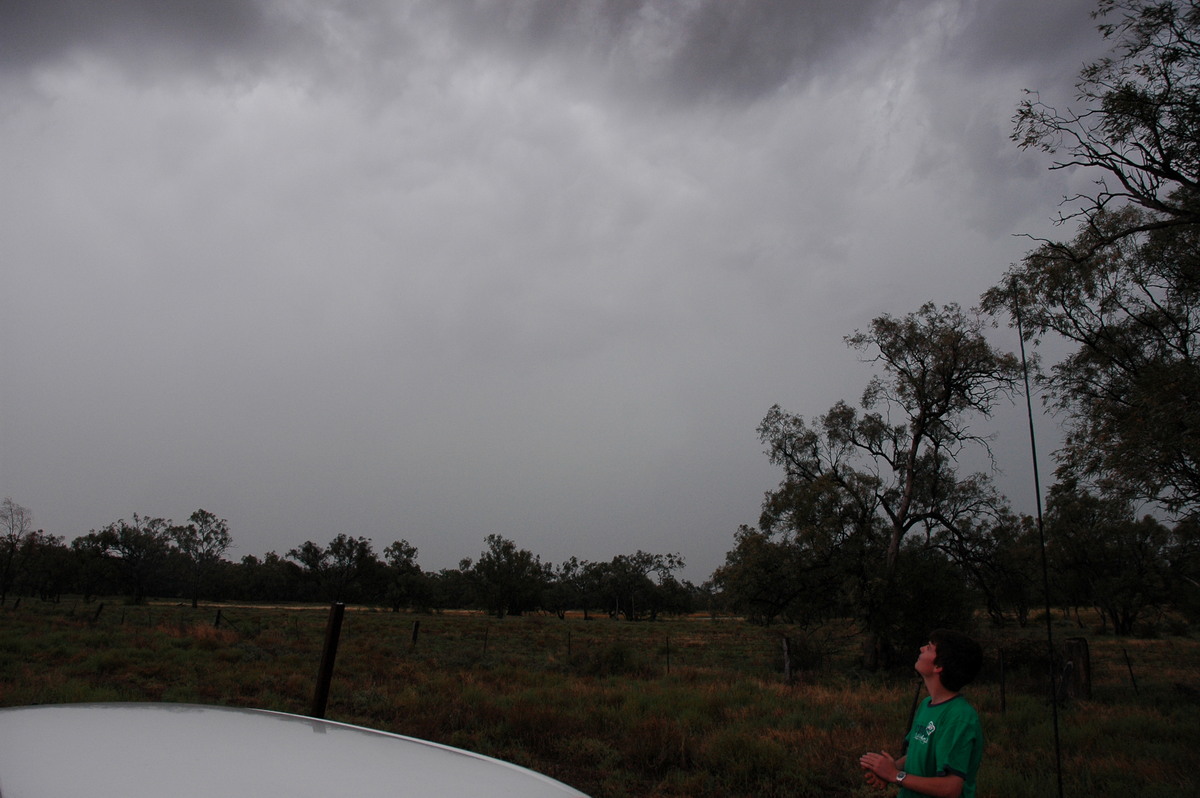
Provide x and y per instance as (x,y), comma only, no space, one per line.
(1015,661)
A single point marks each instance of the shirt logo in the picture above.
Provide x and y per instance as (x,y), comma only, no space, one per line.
(924,736)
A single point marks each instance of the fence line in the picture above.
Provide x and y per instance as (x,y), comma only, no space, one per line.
(599,646)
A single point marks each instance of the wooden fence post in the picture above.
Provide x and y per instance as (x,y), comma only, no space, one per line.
(1129,665)
(1079,678)
(1003,686)
(787,659)
(333,631)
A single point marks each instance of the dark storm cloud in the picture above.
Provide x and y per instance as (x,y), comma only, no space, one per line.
(149,33)
(742,50)
(999,36)
(748,49)
(997,42)
(679,52)
(736,50)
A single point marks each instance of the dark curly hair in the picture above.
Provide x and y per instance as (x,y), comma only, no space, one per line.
(959,657)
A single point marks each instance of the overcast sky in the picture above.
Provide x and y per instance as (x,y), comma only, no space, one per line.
(435,270)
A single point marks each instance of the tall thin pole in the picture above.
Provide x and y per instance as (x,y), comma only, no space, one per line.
(1037,490)
(333,631)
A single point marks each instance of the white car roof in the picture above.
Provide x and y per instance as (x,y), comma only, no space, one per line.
(184,750)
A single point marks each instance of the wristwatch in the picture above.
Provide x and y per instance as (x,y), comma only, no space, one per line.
(900,774)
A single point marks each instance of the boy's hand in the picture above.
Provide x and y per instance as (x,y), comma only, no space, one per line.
(874,780)
(881,768)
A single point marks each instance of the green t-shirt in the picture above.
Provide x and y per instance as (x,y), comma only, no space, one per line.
(945,739)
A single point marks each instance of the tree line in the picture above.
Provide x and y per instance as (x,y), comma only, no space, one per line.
(808,563)
(148,556)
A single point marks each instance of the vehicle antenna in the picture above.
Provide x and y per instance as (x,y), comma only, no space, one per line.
(1037,490)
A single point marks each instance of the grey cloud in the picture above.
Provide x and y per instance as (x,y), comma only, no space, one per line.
(675,52)
(741,50)
(729,50)
(148,35)
(989,54)
(1000,36)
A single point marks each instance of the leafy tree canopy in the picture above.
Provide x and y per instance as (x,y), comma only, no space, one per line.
(1124,293)
(1136,118)
(861,479)
(1130,312)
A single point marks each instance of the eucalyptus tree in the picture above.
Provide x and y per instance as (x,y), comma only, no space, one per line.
(789,577)
(1121,298)
(15,523)
(1106,557)
(47,568)
(138,549)
(638,584)
(1124,293)
(1183,562)
(1129,315)
(1001,555)
(269,578)
(343,570)
(878,472)
(202,542)
(407,584)
(567,589)
(508,580)
(1135,120)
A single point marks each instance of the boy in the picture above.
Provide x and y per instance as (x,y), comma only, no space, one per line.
(945,744)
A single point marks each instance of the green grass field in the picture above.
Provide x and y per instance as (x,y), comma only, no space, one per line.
(690,707)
